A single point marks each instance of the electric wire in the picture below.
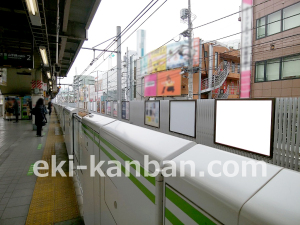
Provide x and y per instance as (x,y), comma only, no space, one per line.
(129,26)
(214,22)
(233,50)
(240,32)
(179,34)
(134,31)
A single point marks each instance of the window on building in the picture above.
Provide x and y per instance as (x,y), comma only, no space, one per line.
(274,23)
(278,69)
(261,28)
(279,21)
(260,72)
(291,66)
(205,53)
(232,67)
(216,60)
(291,16)
(238,68)
(272,69)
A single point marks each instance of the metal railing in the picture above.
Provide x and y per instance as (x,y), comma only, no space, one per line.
(218,78)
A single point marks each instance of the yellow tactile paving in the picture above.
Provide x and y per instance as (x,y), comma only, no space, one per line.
(54,198)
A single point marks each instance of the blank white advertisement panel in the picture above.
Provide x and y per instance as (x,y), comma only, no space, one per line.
(245,124)
(183,117)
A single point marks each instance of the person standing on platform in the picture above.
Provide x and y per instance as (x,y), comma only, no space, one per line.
(40,116)
(16,110)
(8,110)
(30,108)
(50,107)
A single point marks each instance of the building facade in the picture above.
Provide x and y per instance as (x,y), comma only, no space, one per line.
(141,43)
(276,49)
(220,57)
(216,57)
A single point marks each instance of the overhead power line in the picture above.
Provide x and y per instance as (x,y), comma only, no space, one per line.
(128,27)
(221,18)
(135,30)
(198,27)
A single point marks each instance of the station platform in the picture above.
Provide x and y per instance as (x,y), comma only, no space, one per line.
(24,197)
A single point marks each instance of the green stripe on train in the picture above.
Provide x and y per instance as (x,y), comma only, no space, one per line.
(137,183)
(188,209)
(142,171)
(172,218)
(145,190)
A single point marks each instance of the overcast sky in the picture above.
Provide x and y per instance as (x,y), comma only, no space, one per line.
(160,28)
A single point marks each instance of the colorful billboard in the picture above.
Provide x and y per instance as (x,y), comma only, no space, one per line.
(103,107)
(115,109)
(25,110)
(108,108)
(154,61)
(125,110)
(150,85)
(169,83)
(157,60)
(152,116)
(98,106)
(170,56)
(177,54)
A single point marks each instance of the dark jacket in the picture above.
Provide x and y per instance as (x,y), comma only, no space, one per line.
(16,108)
(49,105)
(39,113)
(30,104)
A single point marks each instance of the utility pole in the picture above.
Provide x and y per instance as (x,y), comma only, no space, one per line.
(119,72)
(97,89)
(200,69)
(131,79)
(107,86)
(128,74)
(190,77)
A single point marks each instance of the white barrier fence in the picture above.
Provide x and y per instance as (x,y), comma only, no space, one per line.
(286,145)
(179,200)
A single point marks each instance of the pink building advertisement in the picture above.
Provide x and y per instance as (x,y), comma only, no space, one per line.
(246,49)
(150,85)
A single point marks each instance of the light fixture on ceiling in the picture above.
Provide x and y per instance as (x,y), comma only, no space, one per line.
(33,12)
(49,75)
(32,7)
(44,56)
(50,82)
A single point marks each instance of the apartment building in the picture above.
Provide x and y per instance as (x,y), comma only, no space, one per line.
(221,56)
(276,49)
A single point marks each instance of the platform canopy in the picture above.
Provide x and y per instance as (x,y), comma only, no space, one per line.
(29,27)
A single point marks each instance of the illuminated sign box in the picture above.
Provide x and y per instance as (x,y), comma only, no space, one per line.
(245,124)
(152,113)
(183,117)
